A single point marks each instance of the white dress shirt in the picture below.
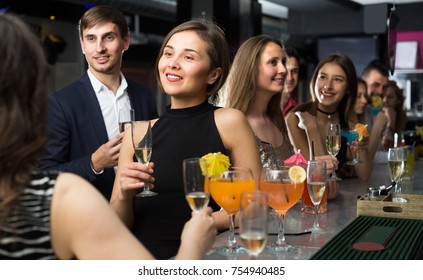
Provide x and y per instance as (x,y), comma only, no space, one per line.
(110,103)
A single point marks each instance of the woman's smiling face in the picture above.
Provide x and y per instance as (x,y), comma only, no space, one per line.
(184,66)
(331,85)
(272,70)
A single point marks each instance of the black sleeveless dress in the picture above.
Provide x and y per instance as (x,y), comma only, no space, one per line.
(177,135)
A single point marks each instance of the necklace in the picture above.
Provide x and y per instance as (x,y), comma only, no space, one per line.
(329,114)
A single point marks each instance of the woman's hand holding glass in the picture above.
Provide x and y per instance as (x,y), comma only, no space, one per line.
(142,139)
(134,177)
(199,233)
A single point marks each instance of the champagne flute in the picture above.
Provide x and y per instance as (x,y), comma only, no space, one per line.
(196,183)
(142,139)
(397,164)
(125,118)
(253,221)
(316,184)
(283,193)
(226,190)
(333,143)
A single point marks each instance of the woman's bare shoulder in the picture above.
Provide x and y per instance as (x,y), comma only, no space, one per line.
(230,115)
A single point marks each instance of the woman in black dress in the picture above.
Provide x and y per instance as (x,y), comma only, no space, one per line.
(192,65)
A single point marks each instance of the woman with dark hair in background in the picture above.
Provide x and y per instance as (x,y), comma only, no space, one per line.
(333,89)
(358,115)
(393,101)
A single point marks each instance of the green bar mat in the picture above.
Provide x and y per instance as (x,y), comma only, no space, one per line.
(405,243)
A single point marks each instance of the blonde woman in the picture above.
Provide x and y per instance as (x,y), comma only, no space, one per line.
(254,87)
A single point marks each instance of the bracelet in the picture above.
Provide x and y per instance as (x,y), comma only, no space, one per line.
(96,172)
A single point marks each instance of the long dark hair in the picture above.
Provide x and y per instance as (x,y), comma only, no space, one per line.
(401,117)
(347,103)
(23,107)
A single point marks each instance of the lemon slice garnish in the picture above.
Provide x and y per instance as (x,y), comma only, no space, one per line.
(297,174)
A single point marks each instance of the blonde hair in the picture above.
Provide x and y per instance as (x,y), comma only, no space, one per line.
(241,85)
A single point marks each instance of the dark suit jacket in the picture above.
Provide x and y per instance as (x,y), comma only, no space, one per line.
(76,129)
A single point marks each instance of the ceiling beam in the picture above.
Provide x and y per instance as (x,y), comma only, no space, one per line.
(347,4)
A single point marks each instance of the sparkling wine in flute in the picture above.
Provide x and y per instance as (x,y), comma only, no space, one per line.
(396,168)
(197,200)
(316,191)
(196,183)
(333,144)
(143,155)
(316,186)
(142,140)
(253,221)
(125,118)
(123,126)
(253,242)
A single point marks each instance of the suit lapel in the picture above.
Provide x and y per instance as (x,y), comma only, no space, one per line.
(135,102)
(92,107)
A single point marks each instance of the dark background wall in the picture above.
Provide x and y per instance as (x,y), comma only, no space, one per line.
(361,31)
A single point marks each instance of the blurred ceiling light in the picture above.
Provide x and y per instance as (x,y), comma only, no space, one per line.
(274,10)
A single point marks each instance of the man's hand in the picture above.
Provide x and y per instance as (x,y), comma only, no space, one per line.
(107,155)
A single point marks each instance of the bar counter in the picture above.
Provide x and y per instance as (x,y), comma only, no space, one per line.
(341,211)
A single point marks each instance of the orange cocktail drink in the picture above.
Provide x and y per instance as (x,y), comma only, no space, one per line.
(282,195)
(227,192)
(284,186)
(226,189)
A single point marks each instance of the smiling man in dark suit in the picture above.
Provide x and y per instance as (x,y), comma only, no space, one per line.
(83,134)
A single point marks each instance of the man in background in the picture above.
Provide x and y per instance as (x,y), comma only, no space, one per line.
(376,75)
(82,134)
(290,93)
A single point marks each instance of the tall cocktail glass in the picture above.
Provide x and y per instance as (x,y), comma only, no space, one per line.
(283,193)
(226,191)
(352,136)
